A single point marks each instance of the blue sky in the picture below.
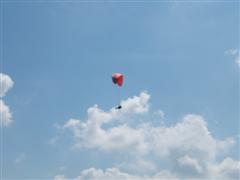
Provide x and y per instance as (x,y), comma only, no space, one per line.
(61,56)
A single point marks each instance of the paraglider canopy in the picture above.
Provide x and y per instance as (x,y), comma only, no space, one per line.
(117,78)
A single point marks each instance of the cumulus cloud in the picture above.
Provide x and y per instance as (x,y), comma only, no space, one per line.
(137,104)
(90,134)
(6,84)
(188,147)
(138,166)
(190,135)
(111,173)
(115,174)
(190,165)
(5,113)
(227,169)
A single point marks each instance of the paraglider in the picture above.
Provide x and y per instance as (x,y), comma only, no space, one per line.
(117,78)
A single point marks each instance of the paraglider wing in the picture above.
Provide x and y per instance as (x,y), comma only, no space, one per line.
(117,78)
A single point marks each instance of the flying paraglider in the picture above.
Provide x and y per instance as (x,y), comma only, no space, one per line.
(117,78)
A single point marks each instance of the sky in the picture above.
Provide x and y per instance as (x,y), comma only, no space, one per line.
(180,97)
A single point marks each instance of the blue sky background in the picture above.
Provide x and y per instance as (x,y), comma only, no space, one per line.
(61,57)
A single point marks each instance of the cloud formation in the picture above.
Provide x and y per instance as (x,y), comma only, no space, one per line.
(228,169)
(6,83)
(90,134)
(115,174)
(5,113)
(188,147)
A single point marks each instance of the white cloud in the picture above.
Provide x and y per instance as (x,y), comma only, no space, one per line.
(190,164)
(90,134)
(227,169)
(137,104)
(191,134)
(111,173)
(6,83)
(116,174)
(188,136)
(138,166)
(5,114)
(188,147)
